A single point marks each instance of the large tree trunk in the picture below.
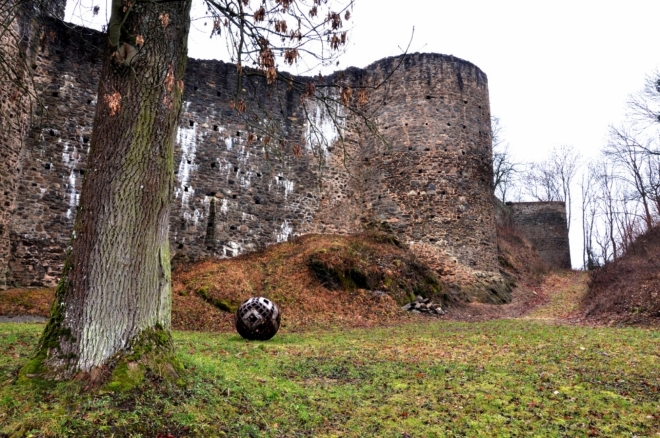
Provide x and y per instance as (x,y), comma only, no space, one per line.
(115,288)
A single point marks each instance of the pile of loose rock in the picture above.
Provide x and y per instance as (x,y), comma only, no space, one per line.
(424,305)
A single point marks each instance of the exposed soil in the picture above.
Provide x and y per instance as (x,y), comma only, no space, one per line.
(26,303)
(317,281)
(627,291)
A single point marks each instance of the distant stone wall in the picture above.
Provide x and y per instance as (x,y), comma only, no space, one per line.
(544,225)
(18,47)
(55,150)
(430,183)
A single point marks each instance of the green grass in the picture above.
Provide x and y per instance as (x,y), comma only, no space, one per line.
(504,378)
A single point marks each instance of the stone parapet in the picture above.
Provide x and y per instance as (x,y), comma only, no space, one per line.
(544,225)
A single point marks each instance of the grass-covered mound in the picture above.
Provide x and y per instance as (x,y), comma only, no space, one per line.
(26,301)
(316,281)
(501,378)
(628,289)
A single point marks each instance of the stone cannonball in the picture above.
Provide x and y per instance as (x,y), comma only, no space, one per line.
(257,319)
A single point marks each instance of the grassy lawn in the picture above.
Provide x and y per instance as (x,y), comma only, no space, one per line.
(501,378)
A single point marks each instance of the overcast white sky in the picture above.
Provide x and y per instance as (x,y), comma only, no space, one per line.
(559,71)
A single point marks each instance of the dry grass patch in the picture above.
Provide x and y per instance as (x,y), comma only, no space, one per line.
(627,291)
(316,281)
(26,301)
(563,292)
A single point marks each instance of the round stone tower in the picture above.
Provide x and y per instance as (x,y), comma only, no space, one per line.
(430,182)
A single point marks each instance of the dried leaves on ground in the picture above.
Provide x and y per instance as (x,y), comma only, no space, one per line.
(627,291)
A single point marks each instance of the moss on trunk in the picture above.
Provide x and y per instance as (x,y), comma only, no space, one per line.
(150,355)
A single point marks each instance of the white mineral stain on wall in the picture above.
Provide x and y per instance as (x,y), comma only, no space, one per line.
(232,249)
(285,183)
(70,159)
(186,137)
(224,208)
(321,130)
(246,179)
(284,233)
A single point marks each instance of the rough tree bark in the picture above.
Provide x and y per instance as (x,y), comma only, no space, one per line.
(114,298)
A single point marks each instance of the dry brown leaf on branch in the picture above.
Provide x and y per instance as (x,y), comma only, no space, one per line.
(285,4)
(240,106)
(346,94)
(114,102)
(259,15)
(164,19)
(335,42)
(281,26)
(335,20)
(291,56)
(310,89)
(169,79)
(362,97)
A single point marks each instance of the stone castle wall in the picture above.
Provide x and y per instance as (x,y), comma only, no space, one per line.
(18,47)
(430,182)
(544,225)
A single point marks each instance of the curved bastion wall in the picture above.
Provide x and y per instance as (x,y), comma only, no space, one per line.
(432,182)
(429,182)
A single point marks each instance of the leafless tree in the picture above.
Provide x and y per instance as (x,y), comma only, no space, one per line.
(645,105)
(589,208)
(551,179)
(608,199)
(636,168)
(621,192)
(505,169)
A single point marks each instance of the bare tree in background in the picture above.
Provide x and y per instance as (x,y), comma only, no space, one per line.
(645,105)
(608,197)
(589,208)
(621,191)
(551,179)
(636,168)
(505,170)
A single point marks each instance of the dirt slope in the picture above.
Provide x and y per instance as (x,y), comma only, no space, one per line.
(628,289)
(318,281)
(323,281)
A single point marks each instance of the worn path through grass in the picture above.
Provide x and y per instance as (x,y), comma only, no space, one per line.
(562,292)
